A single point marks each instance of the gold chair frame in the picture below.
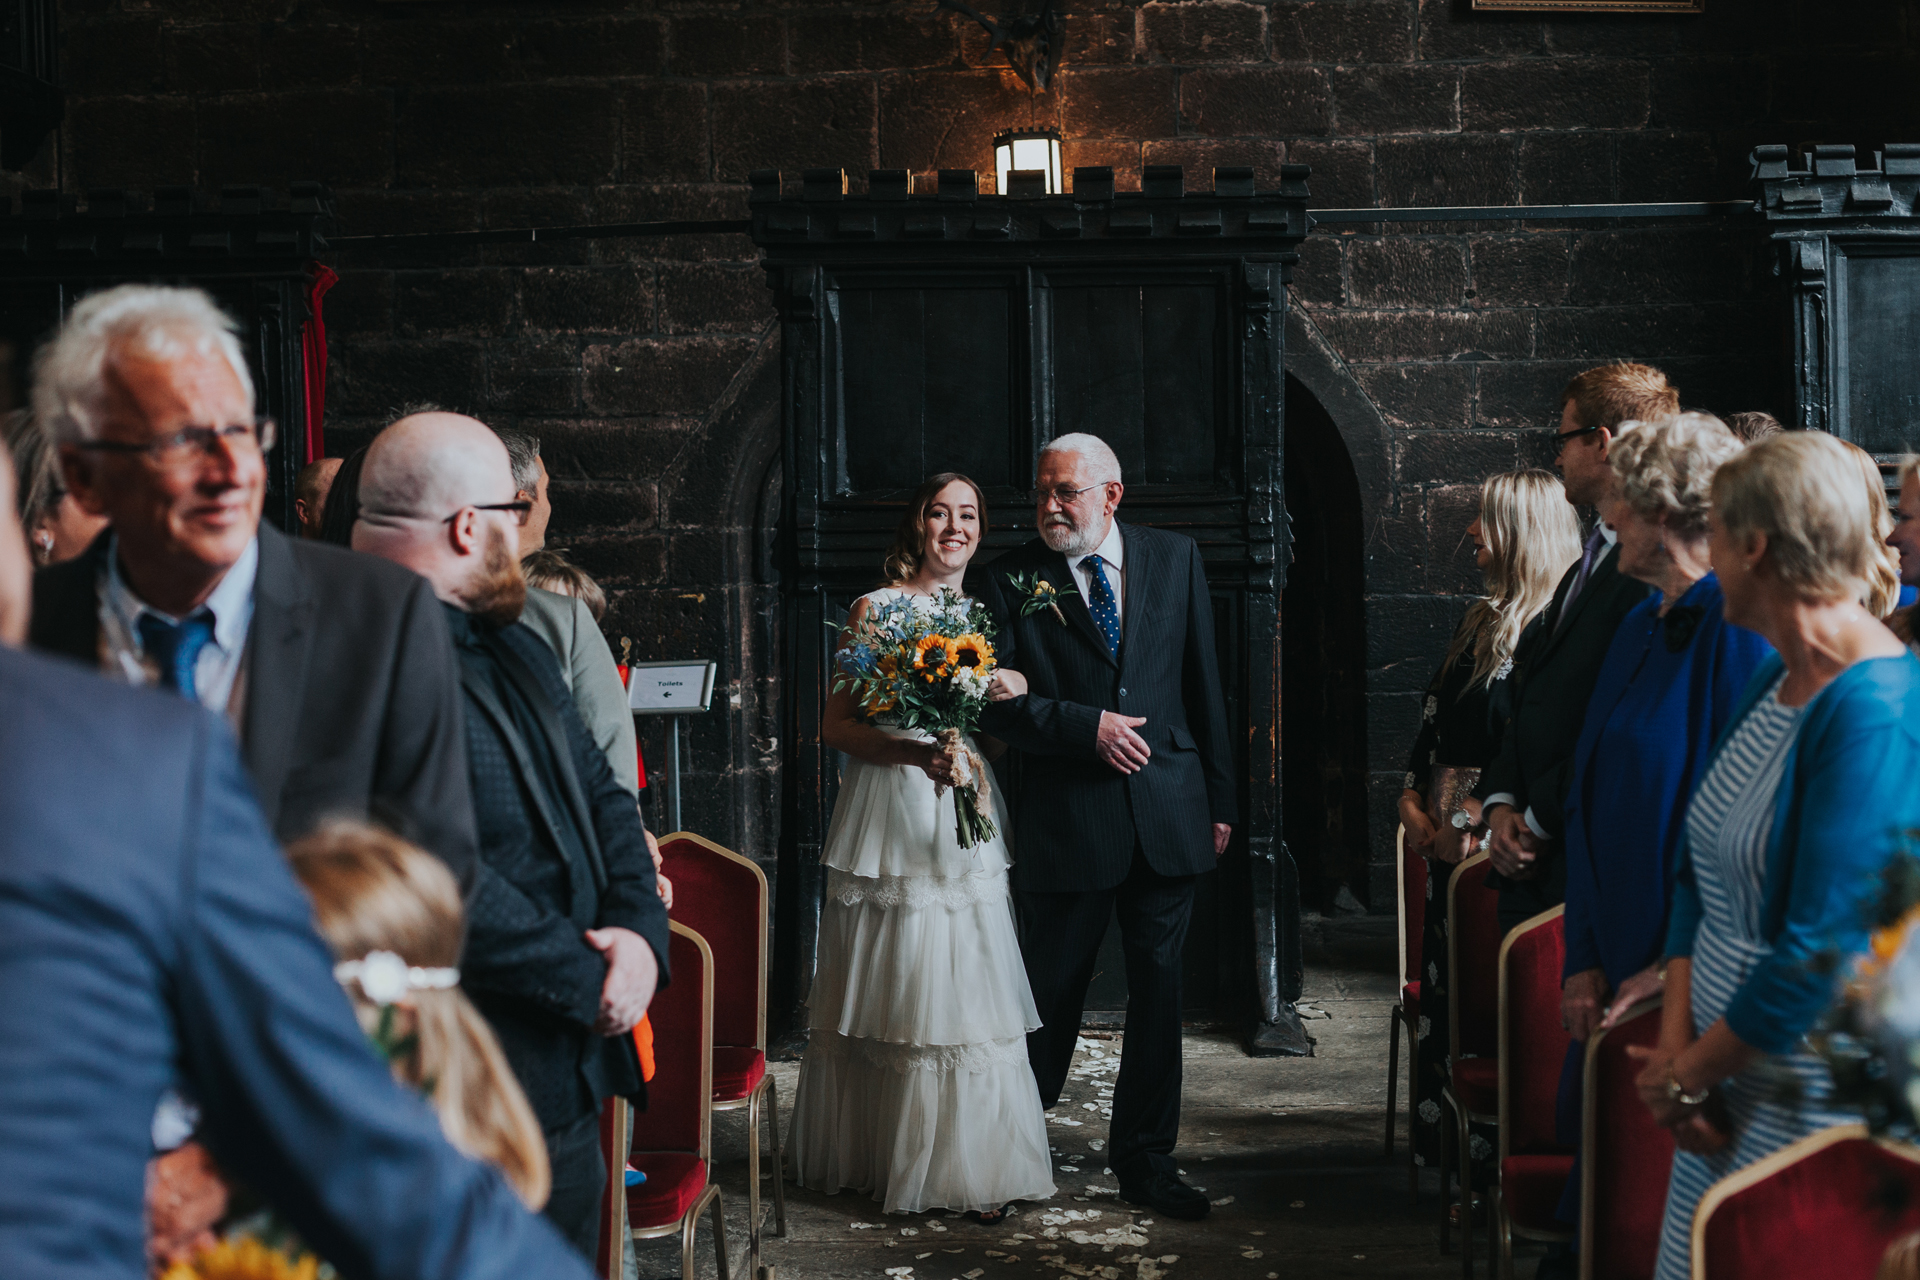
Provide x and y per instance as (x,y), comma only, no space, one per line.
(1402,1018)
(1465,1118)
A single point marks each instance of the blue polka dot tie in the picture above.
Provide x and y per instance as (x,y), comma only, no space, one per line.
(175,648)
(1100,604)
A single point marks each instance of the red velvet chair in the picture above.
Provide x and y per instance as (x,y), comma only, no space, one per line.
(1473,1020)
(1411,878)
(1836,1195)
(1534,1166)
(1625,1158)
(672,1140)
(724,897)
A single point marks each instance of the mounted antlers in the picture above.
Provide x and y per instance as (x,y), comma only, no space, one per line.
(1026,40)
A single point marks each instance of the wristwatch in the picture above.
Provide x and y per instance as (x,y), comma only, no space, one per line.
(1461,820)
(1677,1092)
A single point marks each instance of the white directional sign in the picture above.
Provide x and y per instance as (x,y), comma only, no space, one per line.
(670,688)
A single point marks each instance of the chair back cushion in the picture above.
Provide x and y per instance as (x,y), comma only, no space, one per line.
(723,897)
(1534,1048)
(1413,909)
(1627,1157)
(1827,1205)
(1473,939)
(680,1093)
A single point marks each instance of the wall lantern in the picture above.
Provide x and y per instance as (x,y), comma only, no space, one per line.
(1029,149)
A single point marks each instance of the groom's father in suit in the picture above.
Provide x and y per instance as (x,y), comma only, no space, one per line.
(332,668)
(1525,788)
(1125,793)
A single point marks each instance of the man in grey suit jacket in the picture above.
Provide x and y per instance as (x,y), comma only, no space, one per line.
(333,667)
(1126,790)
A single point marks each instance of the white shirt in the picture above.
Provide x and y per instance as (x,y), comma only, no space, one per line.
(218,665)
(1113,553)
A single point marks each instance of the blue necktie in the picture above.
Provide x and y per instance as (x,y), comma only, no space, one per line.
(1100,604)
(176,647)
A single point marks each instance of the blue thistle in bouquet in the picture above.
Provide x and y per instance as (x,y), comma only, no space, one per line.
(925,665)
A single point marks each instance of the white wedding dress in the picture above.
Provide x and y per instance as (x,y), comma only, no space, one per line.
(915,1085)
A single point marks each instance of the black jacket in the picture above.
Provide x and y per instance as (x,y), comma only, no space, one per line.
(1553,676)
(1075,819)
(527,966)
(352,700)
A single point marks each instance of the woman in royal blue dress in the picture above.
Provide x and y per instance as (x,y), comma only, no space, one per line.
(1671,679)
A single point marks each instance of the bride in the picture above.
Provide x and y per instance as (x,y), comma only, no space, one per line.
(915,1085)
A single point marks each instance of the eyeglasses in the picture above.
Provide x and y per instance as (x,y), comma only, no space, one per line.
(182,448)
(521,510)
(1564,436)
(1062,494)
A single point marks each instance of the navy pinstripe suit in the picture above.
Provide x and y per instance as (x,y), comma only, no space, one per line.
(1089,841)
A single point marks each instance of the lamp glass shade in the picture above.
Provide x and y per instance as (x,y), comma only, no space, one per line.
(1028,149)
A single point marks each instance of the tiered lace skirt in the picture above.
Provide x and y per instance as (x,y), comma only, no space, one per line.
(915,1087)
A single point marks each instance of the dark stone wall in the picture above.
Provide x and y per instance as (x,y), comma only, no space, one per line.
(644,365)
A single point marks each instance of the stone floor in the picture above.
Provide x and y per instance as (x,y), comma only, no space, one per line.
(1288,1150)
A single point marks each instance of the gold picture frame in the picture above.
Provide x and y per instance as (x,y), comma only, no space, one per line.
(1589,6)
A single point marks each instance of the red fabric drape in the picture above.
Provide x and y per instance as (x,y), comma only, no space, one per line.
(313,349)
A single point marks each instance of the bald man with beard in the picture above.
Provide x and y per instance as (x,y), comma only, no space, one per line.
(566,935)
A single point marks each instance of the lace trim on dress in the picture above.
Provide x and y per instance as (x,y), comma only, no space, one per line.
(902,1058)
(915,892)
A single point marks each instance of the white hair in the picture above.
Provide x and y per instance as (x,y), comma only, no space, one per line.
(1102,465)
(69,374)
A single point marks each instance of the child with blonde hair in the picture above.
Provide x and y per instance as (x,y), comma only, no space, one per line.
(392,915)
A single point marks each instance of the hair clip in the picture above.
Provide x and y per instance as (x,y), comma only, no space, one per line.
(385,978)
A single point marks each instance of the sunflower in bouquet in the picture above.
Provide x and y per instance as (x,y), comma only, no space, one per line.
(1870,1038)
(925,664)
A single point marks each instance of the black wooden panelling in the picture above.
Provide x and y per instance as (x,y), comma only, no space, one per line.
(1882,337)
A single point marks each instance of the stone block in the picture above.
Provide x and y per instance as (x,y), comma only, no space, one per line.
(1256,101)
(1098,40)
(410,50)
(675,203)
(537,392)
(1346,31)
(221,57)
(622,449)
(1117,103)
(506,135)
(1407,271)
(932,120)
(108,57)
(1678,264)
(1342,176)
(1723,385)
(1525,269)
(1199,157)
(712,297)
(1389,336)
(1406,637)
(1451,29)
(794,125)
(537,207)
(1396,548)
(344,136)
(1396,99)
(871,42)
(1452,458)
(1679,166)
(1190,33)
(366,212)
(129,142)
(599,507)
(1451,569)
(1538,94)
(310,55)
(376,379)
(578,47)
(434,303)
(727,44)
(360,304)
(1123,156)
(622,560)
(1567,168)
(1617,35)
(664,133)
(1464,169)
(662,375)
(1318,280)
(1524,395)
(1428,395)
(614,299)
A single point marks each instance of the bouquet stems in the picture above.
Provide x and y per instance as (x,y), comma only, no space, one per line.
(971,791)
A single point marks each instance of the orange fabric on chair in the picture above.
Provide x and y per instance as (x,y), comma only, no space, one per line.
(1626,1158)
(736,1071)
(1836,1193)
(674,1180)
(643,1045)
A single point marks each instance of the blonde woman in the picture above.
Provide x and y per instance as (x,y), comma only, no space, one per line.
(1881,593)
(1524,538)
(391,915)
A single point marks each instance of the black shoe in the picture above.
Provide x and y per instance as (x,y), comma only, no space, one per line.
(1167,1195)
(1558,1266)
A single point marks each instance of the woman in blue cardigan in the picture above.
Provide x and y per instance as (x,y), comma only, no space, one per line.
(1804,803)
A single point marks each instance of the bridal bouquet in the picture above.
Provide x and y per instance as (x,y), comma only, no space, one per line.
(1870,1038)
(926,664)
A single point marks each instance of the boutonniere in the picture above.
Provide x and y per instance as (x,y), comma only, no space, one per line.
(1036,593)
(1682,621)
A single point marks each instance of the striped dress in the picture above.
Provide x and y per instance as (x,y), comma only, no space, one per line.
(1728,827)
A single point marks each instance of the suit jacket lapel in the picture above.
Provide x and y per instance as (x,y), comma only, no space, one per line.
(1075,605)
(562,747)
(279,645)
(1138,568)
